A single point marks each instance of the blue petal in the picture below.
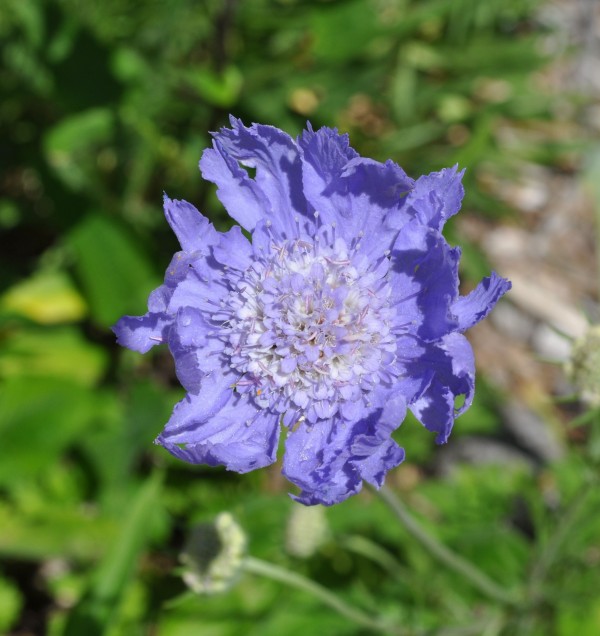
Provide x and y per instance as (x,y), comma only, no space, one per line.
(325,153)
(329,460)
(196,350)
(473,307)
(373,450)
(316,460)
(452,367)
(196,236)
(240,195)
(436,197)
(193,410)
(204,285)
(276,191)
(234,249)
(219,427)
(424,279)
(194,231)
(357,195)
(141,333)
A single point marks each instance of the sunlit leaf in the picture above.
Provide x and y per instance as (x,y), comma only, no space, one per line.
(48,297)
(11,602)
(39,417)
(58,353)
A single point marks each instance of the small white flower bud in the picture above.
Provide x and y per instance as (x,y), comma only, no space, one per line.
(213,555)
(307,531)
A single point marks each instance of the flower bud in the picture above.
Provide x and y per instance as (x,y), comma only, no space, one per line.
(307,530)
(213,555)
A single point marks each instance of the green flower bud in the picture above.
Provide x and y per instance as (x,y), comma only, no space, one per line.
(213,555)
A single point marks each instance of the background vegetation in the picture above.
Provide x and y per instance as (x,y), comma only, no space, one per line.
(105,104)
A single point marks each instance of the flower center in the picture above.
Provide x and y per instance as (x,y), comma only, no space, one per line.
(310,329)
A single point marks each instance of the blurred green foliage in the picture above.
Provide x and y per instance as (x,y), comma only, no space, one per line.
(104,104)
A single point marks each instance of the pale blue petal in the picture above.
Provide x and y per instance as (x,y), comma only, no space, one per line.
(141,333)
(219,427)
(453,368)
(424,277)
(194,231)
(436,197)
(473,307)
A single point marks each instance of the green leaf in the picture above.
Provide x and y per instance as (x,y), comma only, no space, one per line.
(220,89)
(96,610)
(341,32)
(56,532)
(39,417)
(61,352)
(11,602)
(29,15)
(48,297)
(115,273)
(70,145)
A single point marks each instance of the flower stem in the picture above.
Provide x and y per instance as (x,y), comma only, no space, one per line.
(443,554)
(367,548)
(282,575)
(277,573)
(552,549)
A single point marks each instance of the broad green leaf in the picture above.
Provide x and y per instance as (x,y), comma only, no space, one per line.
(61,532)
(128,65)
(342,31)
(39,418)
(28,14)
(70,146)
(96,610)
(219,89)
(48,297)
(114,271)
(571,620)
(61,352)
(11,603)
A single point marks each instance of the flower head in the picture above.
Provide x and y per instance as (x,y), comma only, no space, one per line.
(340,313)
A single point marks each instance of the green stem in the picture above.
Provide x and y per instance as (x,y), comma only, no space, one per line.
(443,554)
(282,575)
(366,548)
(272,571)
(560,535)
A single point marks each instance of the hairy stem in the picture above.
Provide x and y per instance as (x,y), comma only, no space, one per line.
(443,554)
(277,573)
(552,548)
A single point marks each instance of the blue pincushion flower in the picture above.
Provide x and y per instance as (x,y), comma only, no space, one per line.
(340,313)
